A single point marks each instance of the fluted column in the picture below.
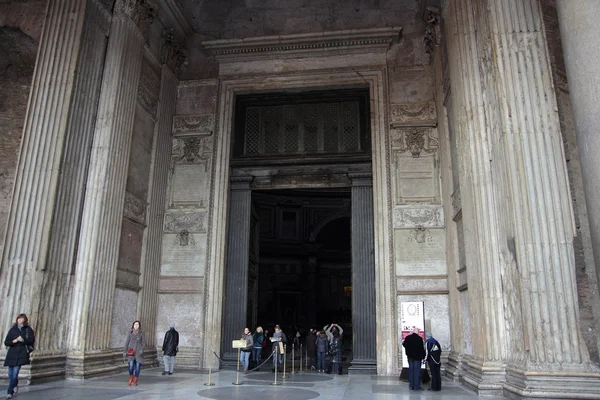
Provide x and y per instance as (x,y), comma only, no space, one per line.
(157,197)
(23,271)
(95,270)
(238,247)
(484,369)
(539,272)
(579,33)
(364,356)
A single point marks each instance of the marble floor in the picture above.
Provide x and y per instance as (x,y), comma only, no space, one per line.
(256,385)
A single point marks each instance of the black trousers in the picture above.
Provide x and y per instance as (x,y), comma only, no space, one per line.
(436,378)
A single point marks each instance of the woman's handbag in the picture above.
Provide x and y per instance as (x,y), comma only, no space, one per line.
(130,352)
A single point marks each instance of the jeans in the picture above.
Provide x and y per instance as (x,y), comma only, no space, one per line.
(279,357)
(256,354)
(169,362)
(414,374)
(134,368)
(244,359)
(321,360)
(13,376)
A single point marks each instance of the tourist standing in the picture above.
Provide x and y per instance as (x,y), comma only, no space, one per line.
(134,351)
(322,345)
(258,338)
(19,340)
(311,347)
(415,352)
(433,355)
(170,348)
(278,339)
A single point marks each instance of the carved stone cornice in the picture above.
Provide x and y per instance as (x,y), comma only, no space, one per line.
(135,209)
(141,12)
(173,52)
(413,114)
(417,217)
(375,40)
(176,222)
(197,125)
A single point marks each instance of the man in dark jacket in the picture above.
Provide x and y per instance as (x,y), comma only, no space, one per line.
(170,348)
(433,355)
(415,352)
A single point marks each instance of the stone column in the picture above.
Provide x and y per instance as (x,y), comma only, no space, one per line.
(534,208)
(95,269)
(236,281)
(35,275)
(157,190)
(364,349)
(484,369)
(579,32)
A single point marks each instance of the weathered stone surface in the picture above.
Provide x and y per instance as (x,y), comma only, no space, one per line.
(123,315)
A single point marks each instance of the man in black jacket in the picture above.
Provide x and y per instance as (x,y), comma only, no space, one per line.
(170,349)
(415,352)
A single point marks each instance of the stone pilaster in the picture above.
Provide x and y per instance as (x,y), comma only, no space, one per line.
(484,368)
(537,226)
(238,247)
(95,269)
(580,32)
(60,113)
(364,356)
(157,199)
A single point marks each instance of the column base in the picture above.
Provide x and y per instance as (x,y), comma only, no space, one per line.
(452,366)
(363,367)
(580,382)
(81,365)
(187,358)
(44,367)
(485,378)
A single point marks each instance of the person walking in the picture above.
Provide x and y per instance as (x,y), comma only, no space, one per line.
(415,352)
(258,338)
(245,353)
(433,356)
(134,351)
(322,345)
(19,340)
(170,348)
(311,347)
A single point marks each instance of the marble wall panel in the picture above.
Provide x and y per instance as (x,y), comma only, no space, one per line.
(123,315)
(130,248)
(466,322)
(189,185)
(141,154)
(420,252)
(416,179)
(187,311)
(437,284)
(183,260)
(436,310)
(409,85)
(197,97)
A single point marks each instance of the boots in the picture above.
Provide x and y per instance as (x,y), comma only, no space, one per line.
(135,380)
(130,380)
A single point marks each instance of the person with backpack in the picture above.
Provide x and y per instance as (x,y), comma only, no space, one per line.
(433,356)
(19,340)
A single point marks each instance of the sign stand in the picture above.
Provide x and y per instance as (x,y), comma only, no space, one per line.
(275,383)
(238,344)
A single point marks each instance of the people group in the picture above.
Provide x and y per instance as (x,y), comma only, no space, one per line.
(417,351)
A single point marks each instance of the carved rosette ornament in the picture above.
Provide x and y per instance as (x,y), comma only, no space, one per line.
(173,53)
(141,12)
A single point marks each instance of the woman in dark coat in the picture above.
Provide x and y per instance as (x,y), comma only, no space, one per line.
(19,340)
(336,352)
(136,342)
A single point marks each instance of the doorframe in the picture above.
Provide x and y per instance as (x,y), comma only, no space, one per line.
(385,290)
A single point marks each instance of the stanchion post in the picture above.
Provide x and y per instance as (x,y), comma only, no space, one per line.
(275,383)
(300,357)
(284,376)
(210,368)
(237,379)
(293,359)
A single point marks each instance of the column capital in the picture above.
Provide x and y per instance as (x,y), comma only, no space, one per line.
(141,12)
(241,182)
(361,179)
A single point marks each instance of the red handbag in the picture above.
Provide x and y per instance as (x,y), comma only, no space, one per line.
(130,352)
